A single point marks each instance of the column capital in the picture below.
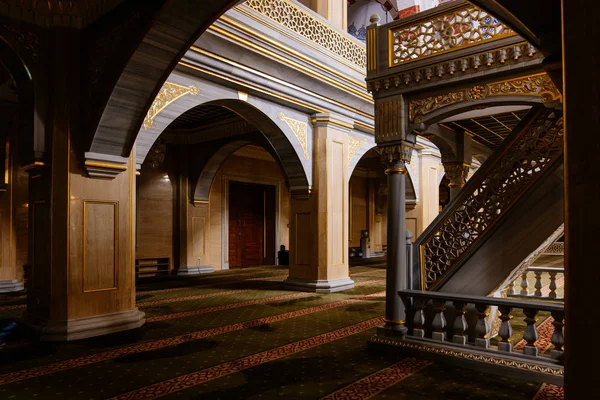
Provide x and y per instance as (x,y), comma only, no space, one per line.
(398,152)
(457,173)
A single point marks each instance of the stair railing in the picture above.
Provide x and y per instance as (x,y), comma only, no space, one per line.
(533,148)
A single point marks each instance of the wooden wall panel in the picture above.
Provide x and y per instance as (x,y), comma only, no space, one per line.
(199,226)
(303,239)
(155,214)
(100,245)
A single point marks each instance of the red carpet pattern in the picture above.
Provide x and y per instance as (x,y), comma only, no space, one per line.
(379,381)
(174,341)
(196,378)
(550,392)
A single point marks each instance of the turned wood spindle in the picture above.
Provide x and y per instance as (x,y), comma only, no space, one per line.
(538,284)
(482,329)
(439,321)
(558,339)
(506,330)
(531,334)
(460,323)
(552,285)
(524,291)
(511,288)
(419,319)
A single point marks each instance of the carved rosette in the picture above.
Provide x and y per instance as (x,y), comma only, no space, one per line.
(300,130)
(457,173)
(169,93)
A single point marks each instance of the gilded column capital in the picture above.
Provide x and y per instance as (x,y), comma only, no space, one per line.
(399,152)
(457,173)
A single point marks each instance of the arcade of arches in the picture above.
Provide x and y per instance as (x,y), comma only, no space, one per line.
(305,198)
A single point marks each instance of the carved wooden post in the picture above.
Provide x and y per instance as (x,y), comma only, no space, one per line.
(439,321)
(531,333)
(552,285)
(419,319)
(524,291)
(538,284)
(506,329)
(558,339)
(460,323)
(482,329)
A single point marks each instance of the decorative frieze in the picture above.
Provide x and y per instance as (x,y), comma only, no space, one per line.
(449,30)
(538,85)
(306,24)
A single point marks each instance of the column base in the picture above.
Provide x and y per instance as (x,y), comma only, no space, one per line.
(195,270)
(81,328)
(322,286)
(392,331)
(11,286)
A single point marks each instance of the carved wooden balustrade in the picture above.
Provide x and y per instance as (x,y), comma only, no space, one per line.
(533,148)
(444,319)
(555,276)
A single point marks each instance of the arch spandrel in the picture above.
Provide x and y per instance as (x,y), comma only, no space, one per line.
(294,157)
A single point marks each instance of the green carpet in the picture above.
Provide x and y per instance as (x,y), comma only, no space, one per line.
(232,335)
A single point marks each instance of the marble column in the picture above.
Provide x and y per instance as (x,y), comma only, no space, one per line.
(457,173)
(397,273)
(319,221)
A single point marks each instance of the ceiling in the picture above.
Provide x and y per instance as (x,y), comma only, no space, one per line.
(488,130)
(203,115)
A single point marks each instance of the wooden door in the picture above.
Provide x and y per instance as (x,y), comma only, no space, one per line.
(246,224)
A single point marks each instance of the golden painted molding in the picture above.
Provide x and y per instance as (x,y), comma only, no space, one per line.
(449,30)
(354,145)
(537,85)
(300,131)
(307,25)
(36,164)
(489,359)
(167,95)
(332,121)
(104,169)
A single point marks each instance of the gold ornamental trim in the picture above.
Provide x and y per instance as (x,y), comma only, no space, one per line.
(537,85)
(449,30)
(530,366)
(392,171)
(354,144)
(300,130)
(307,25)
(169,93)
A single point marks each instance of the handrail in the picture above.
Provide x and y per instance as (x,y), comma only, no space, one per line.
(490,301)
(533,148)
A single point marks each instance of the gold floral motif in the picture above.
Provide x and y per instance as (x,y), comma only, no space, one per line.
(420,107)
(288,14)
(457,28)
(300,131)
(539,84)
(167,95)
(354,145)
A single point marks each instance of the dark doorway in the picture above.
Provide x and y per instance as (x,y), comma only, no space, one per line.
(251,224)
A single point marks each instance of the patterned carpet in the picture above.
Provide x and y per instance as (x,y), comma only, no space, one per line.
(236,335)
